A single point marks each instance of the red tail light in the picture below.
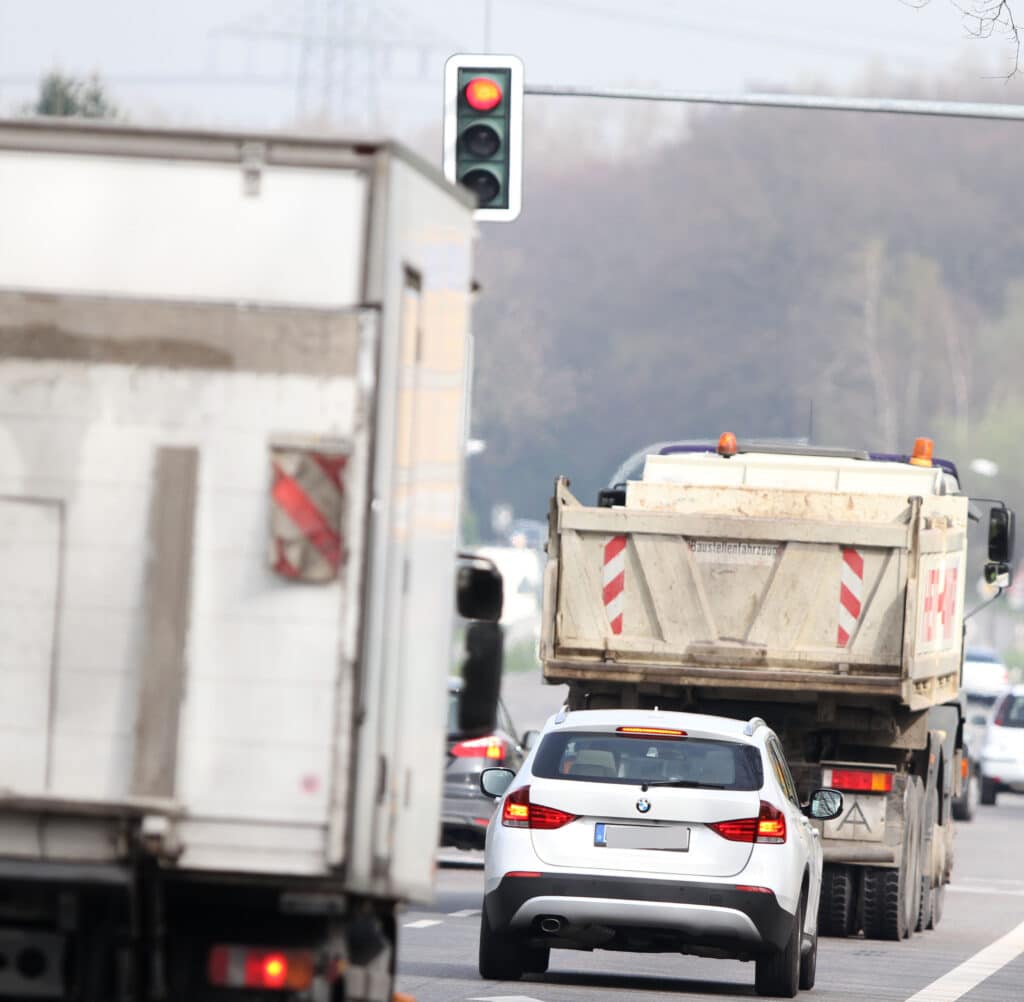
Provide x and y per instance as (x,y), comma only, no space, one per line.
(740,830)
(260,967)
(1000,715)
(492,748)
(769,826)
(858,780)
(519,811)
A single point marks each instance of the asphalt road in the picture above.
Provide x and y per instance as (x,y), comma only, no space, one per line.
(984,908)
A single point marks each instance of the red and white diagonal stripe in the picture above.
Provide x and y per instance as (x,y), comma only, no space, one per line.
(851,594)
(614,580)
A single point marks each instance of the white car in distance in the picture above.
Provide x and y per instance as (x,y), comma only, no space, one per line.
(650,831)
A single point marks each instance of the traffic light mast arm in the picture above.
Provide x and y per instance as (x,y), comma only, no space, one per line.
(812,102)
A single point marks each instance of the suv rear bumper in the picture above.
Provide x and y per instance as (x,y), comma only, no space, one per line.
(699,914)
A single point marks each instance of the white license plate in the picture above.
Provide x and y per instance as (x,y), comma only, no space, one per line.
(674,838)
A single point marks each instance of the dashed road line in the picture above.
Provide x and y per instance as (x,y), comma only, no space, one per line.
(465,913)
(959,981)
(421,924)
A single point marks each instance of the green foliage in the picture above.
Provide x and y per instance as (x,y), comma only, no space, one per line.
(68,96)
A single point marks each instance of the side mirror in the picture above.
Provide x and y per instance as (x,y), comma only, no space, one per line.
(999,575)
(479,593)
(824,805)
(1001,535)
(530,739)
(494,782)
(481,680)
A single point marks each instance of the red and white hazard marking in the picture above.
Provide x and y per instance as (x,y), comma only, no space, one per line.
(851,594)
(307,494)
(614,580)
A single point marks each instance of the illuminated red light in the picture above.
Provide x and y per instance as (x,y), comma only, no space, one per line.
(769,826)
(860,780)
(519,812)
(274,970)
(483,94)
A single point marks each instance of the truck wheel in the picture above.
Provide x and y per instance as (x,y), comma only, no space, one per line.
(778,974)
(836,905)
(892,897)
(501,958)
(938,902)
(925,914)
(964,806)
(988,792)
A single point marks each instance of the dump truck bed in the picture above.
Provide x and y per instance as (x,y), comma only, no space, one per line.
(794,579)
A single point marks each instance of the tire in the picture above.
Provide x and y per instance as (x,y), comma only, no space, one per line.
(988,792)
(536,959)
(836,904)
(965,806)
(809,965)
(884,906)
(925,919)
(938,903)
(778,974)
(501,958)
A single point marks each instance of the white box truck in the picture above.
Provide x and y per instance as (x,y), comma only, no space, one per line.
(233,398)
(821,590)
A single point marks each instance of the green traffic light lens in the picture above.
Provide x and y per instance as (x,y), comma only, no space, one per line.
(483,184)
(481,141)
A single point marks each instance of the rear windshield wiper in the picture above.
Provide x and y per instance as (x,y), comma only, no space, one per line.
(690,784)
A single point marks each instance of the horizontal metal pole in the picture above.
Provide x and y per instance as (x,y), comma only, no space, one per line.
(812,102)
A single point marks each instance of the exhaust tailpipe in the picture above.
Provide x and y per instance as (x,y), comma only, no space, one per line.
(550,924)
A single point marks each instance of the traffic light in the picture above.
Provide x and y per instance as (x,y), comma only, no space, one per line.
(483,131)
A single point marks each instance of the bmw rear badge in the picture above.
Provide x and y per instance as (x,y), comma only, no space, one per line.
(643,805)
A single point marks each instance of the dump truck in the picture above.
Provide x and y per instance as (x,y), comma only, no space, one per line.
(233,399)
(820,590)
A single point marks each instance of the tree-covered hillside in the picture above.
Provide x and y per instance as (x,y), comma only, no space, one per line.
(762,263)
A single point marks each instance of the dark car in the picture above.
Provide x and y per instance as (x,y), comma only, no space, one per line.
(466,811)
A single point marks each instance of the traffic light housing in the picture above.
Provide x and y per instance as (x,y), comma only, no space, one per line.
(483,131)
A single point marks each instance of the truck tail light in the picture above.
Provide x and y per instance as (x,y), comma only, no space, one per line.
(859,780)
(769,826)
(519,811)
(492,748)
(260,967)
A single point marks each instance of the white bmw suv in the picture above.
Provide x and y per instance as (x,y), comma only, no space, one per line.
(643,830)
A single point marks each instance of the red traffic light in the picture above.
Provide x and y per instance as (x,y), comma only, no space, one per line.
(483,94)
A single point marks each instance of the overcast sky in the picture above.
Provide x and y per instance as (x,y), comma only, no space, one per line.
(244,62)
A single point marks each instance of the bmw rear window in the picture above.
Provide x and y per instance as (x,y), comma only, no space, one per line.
(607,757)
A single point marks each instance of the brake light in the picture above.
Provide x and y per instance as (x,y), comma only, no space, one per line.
(492,748)
(519,811)
(1000,715)
(259,967)
(651,732)
(859,781)
(740,830)
(769,826)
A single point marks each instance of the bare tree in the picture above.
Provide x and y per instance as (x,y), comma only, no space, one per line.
(988,18)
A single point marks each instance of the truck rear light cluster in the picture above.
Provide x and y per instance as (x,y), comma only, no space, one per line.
(260,967)
(519,811)
(858,780)
(769,827)
(492,748)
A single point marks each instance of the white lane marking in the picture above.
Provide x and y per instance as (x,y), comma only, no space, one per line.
(421,924)
(502,998)
(465,913)
(981,889)
(959,981)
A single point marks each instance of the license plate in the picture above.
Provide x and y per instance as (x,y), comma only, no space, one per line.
(673,838)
